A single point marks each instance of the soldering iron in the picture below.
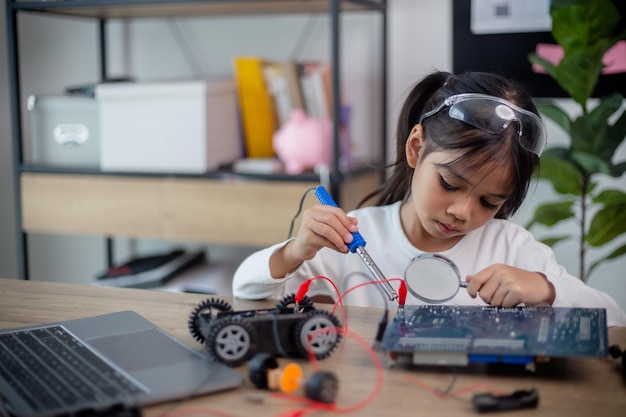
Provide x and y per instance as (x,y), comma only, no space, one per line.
(358,246)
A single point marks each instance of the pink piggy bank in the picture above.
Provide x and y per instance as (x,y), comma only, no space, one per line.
(303,142)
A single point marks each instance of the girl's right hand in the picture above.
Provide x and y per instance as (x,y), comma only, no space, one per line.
(322,226)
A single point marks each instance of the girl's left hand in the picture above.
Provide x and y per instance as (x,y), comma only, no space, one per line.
(507,286)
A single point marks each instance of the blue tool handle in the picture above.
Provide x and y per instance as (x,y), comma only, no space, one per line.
(325,198)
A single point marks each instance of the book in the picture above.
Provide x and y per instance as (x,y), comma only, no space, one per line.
(278,88)
(320,89)
(292,74)
(308,89)
(256,106)
(326,73)
(316,85)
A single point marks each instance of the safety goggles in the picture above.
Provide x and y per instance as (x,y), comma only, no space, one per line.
(493,115)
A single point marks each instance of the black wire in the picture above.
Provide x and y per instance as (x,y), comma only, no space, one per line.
(3,406)
(448,389)
(279,346)
(293,220)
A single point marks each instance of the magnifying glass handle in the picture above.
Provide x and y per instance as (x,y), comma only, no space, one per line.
(358,245)
(463,284)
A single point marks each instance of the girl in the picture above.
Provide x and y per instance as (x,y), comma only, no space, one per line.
(467,147)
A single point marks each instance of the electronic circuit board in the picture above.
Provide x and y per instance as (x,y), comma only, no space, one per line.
(459,335)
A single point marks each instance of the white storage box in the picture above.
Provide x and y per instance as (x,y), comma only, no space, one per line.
(184,126)
(64,131)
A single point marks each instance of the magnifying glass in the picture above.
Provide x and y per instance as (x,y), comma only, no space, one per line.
(433,278)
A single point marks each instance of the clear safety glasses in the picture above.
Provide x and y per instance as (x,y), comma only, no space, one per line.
(493,115)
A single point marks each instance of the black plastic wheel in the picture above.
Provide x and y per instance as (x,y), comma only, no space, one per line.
(258,367)
(322,387)
(231,341)
(319,332)
(201,317)
(289,300)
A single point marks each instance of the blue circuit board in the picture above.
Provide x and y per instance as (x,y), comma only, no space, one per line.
(441,334)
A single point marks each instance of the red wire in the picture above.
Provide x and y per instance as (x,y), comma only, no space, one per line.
(379,377)
(315,406)
(339,299)
(349,290)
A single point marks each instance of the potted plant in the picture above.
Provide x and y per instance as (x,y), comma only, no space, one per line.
(585,30)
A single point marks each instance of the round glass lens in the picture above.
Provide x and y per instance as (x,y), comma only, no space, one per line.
(432,278)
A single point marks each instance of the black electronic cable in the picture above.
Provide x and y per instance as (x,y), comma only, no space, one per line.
(616,353)
(4,412)
(279,345)
(293,220)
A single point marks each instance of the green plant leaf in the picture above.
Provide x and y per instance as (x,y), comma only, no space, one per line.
(550,214)
(607,224)
(618,170)
(610,197)
(591,164)
(585,31)
(556,114)
(579,70)
(615,254)
(548,66)
(551,241)
(613,137)
(589,130)
(558,168)
(578,25)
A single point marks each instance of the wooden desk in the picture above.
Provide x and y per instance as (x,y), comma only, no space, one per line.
(581,387)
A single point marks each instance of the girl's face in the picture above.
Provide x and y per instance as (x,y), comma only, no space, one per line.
(448,202)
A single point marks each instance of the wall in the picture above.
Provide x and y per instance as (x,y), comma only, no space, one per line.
(419,41)
(7,211)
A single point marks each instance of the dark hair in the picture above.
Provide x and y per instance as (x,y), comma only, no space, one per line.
(445,133)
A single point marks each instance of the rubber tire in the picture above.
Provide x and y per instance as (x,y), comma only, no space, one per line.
(231,341)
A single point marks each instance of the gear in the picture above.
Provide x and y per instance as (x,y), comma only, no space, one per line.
(290,300)
(201,317)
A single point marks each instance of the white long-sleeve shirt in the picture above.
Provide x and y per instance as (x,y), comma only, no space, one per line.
(498,241)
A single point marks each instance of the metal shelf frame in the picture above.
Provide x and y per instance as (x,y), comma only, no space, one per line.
(103,10)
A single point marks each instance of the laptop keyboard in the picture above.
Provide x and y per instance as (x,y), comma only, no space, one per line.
(51,369)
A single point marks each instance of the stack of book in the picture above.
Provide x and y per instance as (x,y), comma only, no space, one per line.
(268,91)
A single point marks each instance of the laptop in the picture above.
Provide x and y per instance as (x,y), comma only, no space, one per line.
(119,361)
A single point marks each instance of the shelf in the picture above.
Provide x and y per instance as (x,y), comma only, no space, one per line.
(108,9)
(215,207)
(307,176)
(171,208)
